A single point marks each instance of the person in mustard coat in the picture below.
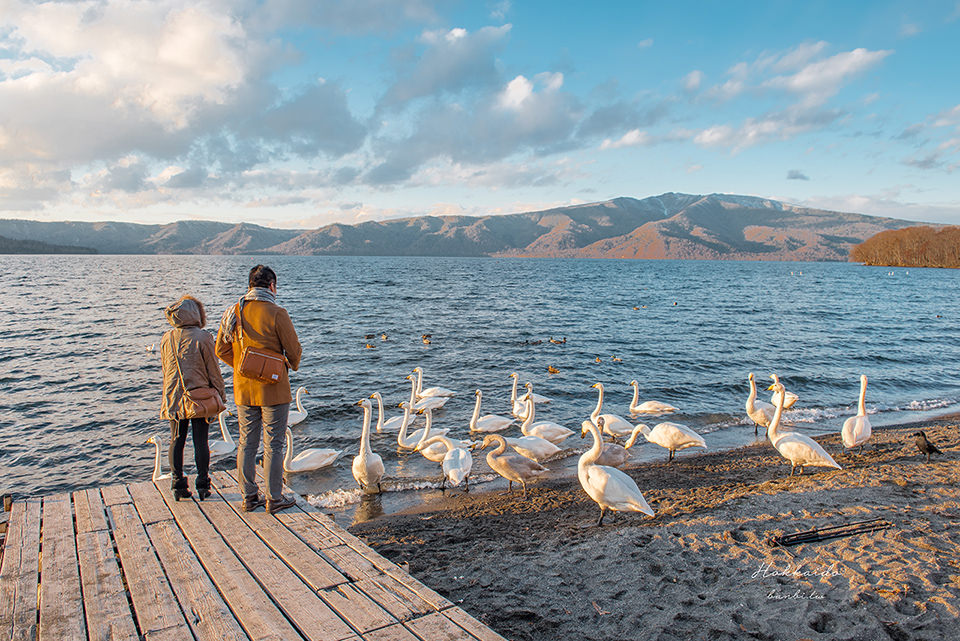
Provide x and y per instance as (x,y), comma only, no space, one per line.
(262,407)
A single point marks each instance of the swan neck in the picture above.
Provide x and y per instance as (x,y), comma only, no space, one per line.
(513,390)
(599,407)
(157,466)
(413,392)
(637,431)
(419,380)
(636,396)
(773,432)
(591,455)
(288,455)
(528,421)
(426,430)
(862,407)
(224,432)
(365,434)
(476,414)
(299,402)
(501,447)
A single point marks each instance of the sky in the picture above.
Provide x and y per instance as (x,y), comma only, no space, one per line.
(302,113)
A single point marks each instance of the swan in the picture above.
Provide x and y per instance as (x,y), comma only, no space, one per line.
(513,467)
(490,422)
(760,412)
(647,407)
(672,436)
(856,429)
(433,402)
(536,397)
(299,415)
(607,486)
(613,454)
(430,447)
(790,400)
(456,461)
(547,430)
(517,407)
(533,447)
(414,440)
(430,392)
(309,459)
(799,449)
(227,445)
(367,466)
(391,424)
(158,474)
(615,426)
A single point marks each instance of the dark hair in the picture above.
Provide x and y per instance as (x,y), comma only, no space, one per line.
(262,276)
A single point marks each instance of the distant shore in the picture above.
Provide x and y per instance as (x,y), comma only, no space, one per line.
(538,568)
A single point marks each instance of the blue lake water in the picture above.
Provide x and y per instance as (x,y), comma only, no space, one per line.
(79,392)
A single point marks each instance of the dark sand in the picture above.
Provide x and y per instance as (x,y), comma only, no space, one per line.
(538,568)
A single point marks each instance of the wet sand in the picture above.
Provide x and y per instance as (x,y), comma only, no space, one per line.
(702,568)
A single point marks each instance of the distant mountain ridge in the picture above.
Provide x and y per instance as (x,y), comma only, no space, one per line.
(671,225)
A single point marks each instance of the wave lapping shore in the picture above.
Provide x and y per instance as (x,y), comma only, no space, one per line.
(703,567)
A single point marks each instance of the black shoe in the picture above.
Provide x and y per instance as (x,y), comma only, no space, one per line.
(249,505)
(203,493)
(181,494)
(282,504)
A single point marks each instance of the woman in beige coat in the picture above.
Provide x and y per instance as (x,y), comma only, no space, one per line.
(194,349)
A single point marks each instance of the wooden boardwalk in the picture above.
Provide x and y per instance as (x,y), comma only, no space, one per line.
(129,562)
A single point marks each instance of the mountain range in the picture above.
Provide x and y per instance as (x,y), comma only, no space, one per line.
(671,225)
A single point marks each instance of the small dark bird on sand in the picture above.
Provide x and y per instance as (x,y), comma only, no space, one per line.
(925,446)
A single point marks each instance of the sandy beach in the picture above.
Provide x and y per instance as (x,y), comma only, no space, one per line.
(702,568)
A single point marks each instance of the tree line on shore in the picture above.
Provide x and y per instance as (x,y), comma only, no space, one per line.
(921,246)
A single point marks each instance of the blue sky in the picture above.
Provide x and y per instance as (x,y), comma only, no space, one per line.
(299,113)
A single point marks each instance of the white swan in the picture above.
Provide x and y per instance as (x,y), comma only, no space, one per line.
(433,402)
(615,426)
(227,445)
(489,422)
(537,398)
(533,447)
(518,408)
(456,462)
(799,449)
(613,454)
(547,430)
(672,436)
(429,445)
(856,429)
(299,415)
(647,407)
(367,466)
(392,424)
(607,486)
(789,401)
(760,412)
(414,440)
(310,459)
(158,474)
(430,392)
(513,467)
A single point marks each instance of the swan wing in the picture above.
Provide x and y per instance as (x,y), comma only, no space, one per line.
(493,423)
(616,489)
(802,450)
(616,425)
(432,392)
(675,436)
(549,431)
(295,417)
(856,430)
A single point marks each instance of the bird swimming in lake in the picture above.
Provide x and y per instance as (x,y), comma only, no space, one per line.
(513,467)
(597,360)
(924,445)
(789,401)
(552,370)
(227,445)
(647,407)
(489,422)
(856,429)
(367,466)
(394,423)
(383,337)
(616,359)
(760,412)
(609,487)
(430,392)
(799,449)
(308,460)
(548,430)
(370,346)
(299,415)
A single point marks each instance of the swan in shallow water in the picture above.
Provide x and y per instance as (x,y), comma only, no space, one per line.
(158,474)
(856,429)
(367,466)
(513,467)
(433,402)
(456,461)
(394,423)
(533,447)
(799,449)
(227,445)
(430,392)
(672,436)
(299,415)
(432,448)
(537,398)
(310,459)
(517,405)
(613,454)
(607,486)
(647,407)
(760,412)
(415,439)
(489,422)
(615,426)
(548,430)
(790,398)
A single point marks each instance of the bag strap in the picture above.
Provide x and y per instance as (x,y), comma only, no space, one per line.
(176,348)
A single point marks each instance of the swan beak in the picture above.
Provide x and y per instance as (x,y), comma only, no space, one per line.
(359,403)
(771,387)
(594,385)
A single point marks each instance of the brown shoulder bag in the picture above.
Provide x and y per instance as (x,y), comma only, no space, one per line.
(258,363)
(199,402)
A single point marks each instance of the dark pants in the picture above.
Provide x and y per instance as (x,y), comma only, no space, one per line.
(201,452)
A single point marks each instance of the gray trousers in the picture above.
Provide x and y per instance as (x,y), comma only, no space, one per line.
(271,422)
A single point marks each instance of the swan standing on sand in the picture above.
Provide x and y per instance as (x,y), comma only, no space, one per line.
(799,449)
(760,412)
(367,466)
(227,445)
(517,406)
(456,462)
(672,436)
(433,402)
(607,486)
(391,424)
(615,426)
(299,415)
(513,467)
(158,474)
(613,454)
(308,460)
(647,407)
(430,392)
(547,430)
(856,429)
(490,422)
(789,400)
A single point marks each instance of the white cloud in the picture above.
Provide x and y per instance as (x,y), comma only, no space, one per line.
(693,80)
(820,80)
(892,203)
(517,92)
(645,44)
(910,29)
(633,138)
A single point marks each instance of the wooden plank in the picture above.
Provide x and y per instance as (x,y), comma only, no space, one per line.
(61,602)
(436,627)
(107,610)
(19,572)
(88,507)
(394,632)
(319,537)
(149,503)
(253,608)
(115,495)
(394,597)
(207,614)
(471,625)
(312,617)
(357,608)
(155,606)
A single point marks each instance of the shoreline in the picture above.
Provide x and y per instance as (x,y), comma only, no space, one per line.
(702,568)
